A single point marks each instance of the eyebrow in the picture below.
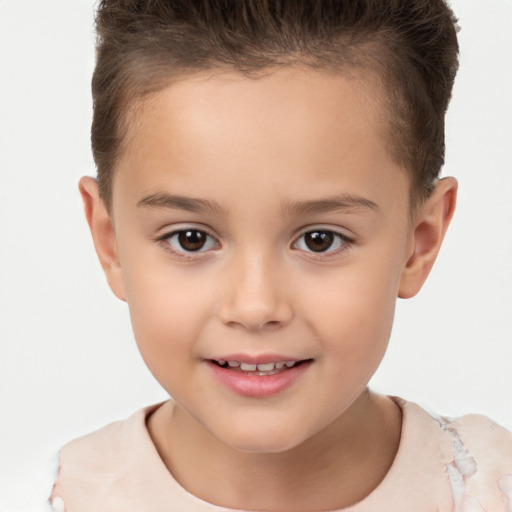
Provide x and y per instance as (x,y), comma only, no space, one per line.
(342,203)
(190,204)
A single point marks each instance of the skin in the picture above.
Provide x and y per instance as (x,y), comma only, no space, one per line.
(258,148)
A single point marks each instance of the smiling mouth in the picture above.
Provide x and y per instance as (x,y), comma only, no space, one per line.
(271,368)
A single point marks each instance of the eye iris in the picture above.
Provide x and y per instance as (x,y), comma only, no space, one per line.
(319,241)
(192,239)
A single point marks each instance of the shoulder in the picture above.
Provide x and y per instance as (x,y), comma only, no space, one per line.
(483,456)
(477,453)
(485,438)
(476,432)
(99,451)
(94,462)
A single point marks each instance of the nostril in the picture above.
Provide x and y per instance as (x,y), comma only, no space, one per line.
(253,311)
(254,324)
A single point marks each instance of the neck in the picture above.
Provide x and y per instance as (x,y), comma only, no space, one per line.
(335,468)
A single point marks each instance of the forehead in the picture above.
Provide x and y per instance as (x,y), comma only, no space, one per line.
(298,93)
(280,125)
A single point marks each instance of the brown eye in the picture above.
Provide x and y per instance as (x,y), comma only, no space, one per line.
(192,239)
(319,241)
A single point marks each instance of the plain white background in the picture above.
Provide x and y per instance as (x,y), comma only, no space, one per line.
(68,361)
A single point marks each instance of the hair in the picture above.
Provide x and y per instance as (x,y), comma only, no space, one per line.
(143,45)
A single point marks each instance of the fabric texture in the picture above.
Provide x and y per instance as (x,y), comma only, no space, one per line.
(442,465)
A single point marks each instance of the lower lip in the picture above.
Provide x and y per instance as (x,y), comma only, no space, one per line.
(258,386)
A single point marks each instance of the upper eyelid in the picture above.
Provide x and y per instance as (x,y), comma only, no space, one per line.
(311,229)
(168,232)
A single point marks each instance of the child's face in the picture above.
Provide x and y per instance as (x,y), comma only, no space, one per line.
(262,221)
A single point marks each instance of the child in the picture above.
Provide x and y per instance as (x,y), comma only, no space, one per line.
(267,186)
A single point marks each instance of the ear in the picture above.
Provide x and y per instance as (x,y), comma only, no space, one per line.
(430,226)
(103,234)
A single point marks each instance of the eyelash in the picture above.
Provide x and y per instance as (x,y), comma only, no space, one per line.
(344,242)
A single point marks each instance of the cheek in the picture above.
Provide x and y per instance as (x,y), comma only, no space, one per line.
(355,310)
(354,334)
(166,316)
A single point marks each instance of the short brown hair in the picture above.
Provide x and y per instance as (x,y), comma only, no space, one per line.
(143,44)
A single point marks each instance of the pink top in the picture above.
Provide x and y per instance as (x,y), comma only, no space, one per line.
(460,465)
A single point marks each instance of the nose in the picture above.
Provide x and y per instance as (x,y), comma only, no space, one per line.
(256,296)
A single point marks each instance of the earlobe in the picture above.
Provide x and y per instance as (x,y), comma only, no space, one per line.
(430,227)
(103,235)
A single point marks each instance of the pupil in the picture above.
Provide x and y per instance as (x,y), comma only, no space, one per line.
(319,241)
(192,240)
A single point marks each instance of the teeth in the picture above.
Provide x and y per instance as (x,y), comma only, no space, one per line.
(246,367)
(262,367)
